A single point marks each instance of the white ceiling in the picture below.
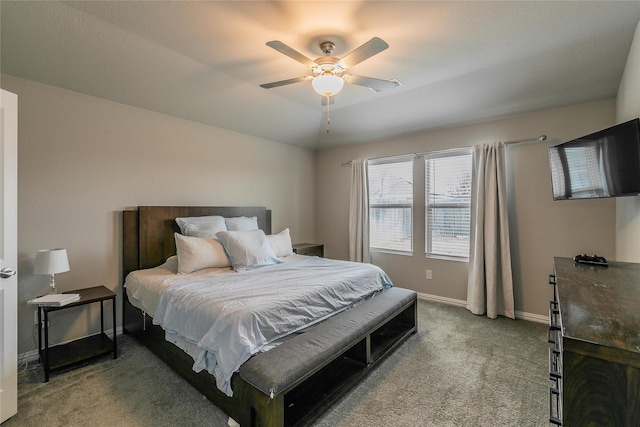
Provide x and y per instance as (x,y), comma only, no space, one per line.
(459,62)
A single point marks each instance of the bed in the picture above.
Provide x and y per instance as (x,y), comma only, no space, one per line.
(291,384)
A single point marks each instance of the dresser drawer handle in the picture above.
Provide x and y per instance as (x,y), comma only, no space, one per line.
(554,326)
(552,282)
(555,417)
(555,365)
(553,316)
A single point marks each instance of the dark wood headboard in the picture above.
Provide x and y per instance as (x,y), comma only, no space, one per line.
(148,230)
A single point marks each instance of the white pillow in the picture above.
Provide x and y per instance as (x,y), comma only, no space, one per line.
(196,253)
(201,226)
(171,264)
(281,243)
(248,249)
(241,223)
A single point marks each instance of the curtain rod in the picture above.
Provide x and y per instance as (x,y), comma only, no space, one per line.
(399,156)
(540,138)
(520,141)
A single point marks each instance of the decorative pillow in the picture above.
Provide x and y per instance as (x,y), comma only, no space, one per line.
(241,223)
(281,243)
(248,249)
(201,226)
(196,253)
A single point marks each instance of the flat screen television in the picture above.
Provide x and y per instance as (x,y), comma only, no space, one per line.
(602,164)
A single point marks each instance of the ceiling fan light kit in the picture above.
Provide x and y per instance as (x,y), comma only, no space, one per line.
(327,84)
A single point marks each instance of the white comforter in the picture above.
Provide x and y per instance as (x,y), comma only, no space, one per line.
(233,316)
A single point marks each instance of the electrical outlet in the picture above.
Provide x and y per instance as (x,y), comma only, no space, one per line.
(429,275)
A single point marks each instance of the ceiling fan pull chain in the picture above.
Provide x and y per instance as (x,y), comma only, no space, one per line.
(328,114)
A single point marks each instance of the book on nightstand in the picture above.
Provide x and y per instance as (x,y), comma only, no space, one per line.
(55,300)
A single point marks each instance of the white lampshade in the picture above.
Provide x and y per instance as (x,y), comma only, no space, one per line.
(327,84)
(51,261)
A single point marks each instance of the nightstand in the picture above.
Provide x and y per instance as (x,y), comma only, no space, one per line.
(82,349)
(309,249)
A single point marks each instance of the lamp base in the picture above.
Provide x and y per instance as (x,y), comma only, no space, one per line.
(52,285)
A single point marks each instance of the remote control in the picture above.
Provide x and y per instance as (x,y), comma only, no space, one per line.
(593,260)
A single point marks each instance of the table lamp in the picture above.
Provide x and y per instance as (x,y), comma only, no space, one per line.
(51,261)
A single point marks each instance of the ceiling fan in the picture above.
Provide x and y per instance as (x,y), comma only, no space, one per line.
(330,73)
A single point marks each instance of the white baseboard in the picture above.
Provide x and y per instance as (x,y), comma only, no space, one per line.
(462,303)
(33,356)
(438,298)
(538,318)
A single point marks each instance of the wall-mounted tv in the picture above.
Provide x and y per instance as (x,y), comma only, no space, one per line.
(602,164)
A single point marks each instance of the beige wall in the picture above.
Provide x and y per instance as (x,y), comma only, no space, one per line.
(83,159)
(628,208)
(540,227)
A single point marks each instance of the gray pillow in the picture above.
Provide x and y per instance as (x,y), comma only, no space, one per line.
(201,226)
(247,249)
(241,223)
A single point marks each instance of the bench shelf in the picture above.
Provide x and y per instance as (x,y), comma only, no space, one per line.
(310,397)
(329,378)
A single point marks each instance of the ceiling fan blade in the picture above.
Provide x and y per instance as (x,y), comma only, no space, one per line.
(291,53)
(324,100)
(376,85)
(367,50)
(285,82)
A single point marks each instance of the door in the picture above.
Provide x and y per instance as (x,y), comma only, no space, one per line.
(8,254)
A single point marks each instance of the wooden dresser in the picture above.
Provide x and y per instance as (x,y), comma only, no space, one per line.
(594,361)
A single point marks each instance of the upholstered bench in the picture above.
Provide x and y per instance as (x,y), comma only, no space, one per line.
(301,377)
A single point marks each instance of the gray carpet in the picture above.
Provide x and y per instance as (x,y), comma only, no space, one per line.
(459,370)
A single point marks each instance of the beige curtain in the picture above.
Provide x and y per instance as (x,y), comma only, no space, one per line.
(359,212)
(490,285)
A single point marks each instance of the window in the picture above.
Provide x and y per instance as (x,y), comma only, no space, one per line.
(448,203)
(391,204)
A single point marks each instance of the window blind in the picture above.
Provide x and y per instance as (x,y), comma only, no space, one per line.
(391,204)
(448,203)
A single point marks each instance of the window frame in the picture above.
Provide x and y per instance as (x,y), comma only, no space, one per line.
(428,207)
(387,160)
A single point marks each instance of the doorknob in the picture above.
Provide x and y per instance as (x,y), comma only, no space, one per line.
(6,272)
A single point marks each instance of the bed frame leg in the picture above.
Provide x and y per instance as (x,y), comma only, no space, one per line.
(258,409)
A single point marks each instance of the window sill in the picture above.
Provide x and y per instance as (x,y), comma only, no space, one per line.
(447,258)
(389,251)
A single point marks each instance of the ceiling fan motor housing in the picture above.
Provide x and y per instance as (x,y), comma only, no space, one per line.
(328,65)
